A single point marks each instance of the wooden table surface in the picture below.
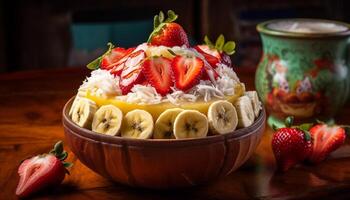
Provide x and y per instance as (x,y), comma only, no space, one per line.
(30,123)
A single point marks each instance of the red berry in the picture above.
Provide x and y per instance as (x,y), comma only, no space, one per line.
(211,56)
(117,68)
(170,34)
(132,71)
(42,171)
(112,57)
(158,72)
(325,140)
(290,146)
(187,71)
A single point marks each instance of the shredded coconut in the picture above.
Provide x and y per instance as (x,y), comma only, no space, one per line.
(142,94)
(102,84)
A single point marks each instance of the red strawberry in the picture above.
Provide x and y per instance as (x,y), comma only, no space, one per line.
(325,140)
(187,71)
(158,72)
(42,171)
(117,68)
(290,146)
(132,71)
(210,73)
(166,32)
(220,50)
(109,59)
(212,56)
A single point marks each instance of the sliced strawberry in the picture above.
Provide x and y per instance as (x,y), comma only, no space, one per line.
(325,140)
(210,73)
(158,72)
(206,49)
(117,67)
(211,59)
(42,171)
(113,57)
(225,59)
(187,71)
(132,71)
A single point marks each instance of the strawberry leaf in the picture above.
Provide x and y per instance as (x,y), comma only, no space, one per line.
(307,135)
(95,64)
(306,126)
(289,121)
(161,17)
(67,164)
(220,41)
(58,148)
(229,47)
(155,22)
(208,42)
(171,16)
(62,156)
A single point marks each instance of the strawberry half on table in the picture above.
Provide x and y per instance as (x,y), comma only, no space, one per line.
(166,32)
(42,171)
(291,145)
(217,53)
(326,139)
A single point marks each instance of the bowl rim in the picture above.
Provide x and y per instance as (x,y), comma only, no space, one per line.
(83,132)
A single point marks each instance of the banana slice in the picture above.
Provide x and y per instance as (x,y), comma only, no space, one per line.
(107,120)
(137,124)
(245,112)
(222,117)
(164,126)
(253,96)
(83,112)
(190,124)
(80,94)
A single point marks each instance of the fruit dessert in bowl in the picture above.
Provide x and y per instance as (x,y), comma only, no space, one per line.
(164,114)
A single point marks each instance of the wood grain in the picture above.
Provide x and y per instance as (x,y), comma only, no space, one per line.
(30,123)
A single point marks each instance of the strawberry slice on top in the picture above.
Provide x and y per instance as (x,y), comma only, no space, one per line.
(325,139)
(166,32)
(112,57)
(187,71)
(158,72)
(116,68)
(132,71)
(221,50)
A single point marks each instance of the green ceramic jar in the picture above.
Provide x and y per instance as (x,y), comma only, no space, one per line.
(304,69)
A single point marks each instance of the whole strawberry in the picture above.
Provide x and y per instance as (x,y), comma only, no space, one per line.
(290,145)
(166,32)
(326,138)
(42,171)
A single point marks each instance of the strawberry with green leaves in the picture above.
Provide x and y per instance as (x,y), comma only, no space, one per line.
(218,53)
(291,144)
(166,32)
(42,171)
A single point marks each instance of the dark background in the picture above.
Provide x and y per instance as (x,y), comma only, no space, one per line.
(40,34)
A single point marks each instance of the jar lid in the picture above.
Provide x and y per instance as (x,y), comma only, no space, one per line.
(301,27)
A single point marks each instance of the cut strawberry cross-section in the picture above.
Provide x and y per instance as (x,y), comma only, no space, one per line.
(113,57)
(132,71)
(325,140)
(159,73)
(187,71)
(117,67)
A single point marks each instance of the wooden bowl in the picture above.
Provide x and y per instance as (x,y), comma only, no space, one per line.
(158,164)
